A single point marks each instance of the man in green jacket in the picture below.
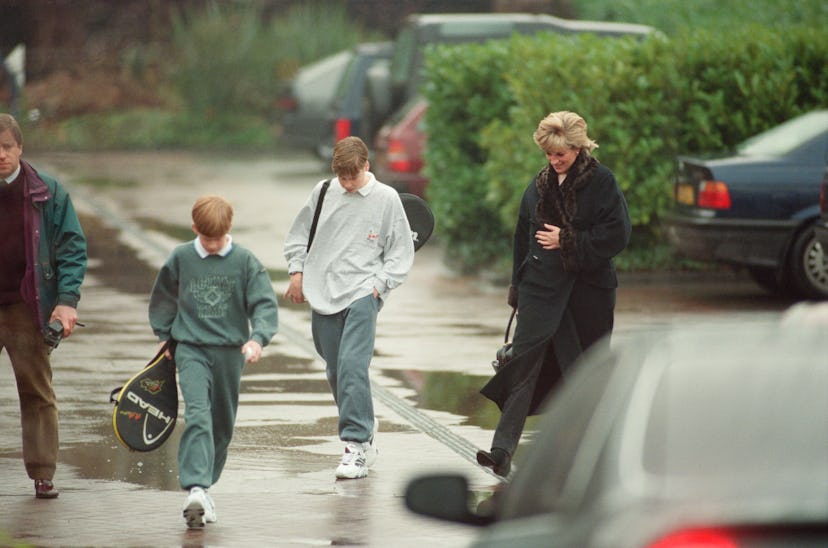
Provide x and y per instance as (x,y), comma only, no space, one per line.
(42,265)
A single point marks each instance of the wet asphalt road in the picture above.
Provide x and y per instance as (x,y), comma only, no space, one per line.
(436,337)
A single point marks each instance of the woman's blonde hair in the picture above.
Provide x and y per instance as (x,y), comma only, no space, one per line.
(212,216)
(561,130)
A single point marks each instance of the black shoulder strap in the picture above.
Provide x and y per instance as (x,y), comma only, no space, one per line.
(322,192)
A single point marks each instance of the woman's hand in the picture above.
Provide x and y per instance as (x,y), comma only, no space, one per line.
(549,238)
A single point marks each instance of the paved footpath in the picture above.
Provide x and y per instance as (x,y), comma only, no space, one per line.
(278,487)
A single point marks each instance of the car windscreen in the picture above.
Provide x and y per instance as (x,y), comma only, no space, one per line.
(787,136)
(315,83)
(405,49)
(346,80)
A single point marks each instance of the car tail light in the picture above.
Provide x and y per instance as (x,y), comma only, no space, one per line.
(696,538)
(342,129)
(713,195)
(398,157)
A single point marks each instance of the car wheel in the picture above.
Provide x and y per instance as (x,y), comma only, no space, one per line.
(809,266)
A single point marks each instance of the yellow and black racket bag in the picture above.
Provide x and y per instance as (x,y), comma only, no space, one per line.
(146,407)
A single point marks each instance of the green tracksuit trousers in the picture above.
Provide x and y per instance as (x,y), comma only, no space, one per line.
(209,379)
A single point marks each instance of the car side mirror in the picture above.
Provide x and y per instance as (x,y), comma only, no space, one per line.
(444,497)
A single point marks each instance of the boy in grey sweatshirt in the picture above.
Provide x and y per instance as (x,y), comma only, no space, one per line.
(362,249)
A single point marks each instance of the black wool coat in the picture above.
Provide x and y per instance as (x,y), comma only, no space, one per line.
(565,297)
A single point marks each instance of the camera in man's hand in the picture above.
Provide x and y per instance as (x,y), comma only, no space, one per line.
(54,333)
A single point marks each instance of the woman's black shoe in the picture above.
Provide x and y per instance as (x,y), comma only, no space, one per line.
(498,460)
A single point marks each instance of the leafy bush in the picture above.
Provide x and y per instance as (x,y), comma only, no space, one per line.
(228,58)
(223,61)
(312,30)
(216,82)
(645,101)
(675,16)
(466,91)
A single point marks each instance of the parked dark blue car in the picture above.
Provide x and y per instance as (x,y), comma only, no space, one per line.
(821,227)
(758,208)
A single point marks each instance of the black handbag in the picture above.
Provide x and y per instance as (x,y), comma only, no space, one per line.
(504,353)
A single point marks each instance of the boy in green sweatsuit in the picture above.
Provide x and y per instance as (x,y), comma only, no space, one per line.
(214,298)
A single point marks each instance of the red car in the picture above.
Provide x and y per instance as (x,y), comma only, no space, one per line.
(399,148)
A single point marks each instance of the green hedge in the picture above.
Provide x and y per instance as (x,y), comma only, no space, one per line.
(645,101)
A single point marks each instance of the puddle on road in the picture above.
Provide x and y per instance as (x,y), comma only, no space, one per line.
(109,460)
(103,457)
(455,393)
(113,262)
(185,233)
(178,231)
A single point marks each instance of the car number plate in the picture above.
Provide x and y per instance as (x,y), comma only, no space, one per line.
(685,194)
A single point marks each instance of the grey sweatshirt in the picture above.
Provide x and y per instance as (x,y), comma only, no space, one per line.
(363,242)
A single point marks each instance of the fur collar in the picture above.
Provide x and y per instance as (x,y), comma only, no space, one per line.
(557,203)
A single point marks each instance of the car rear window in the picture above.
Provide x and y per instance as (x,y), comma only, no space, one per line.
(732,416)
(787,136)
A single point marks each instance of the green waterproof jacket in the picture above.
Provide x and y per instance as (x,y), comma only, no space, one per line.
(55,246)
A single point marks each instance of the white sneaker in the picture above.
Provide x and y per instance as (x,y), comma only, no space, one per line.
(194,508)
(210,515)
(353,464)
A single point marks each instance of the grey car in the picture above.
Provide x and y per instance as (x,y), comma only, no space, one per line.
(350,112)
(327,99)
(710,434)
(306,101)
(400,82)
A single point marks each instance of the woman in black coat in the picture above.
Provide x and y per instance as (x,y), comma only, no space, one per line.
(573,220)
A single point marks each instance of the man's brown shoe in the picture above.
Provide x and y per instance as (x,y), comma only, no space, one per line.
(45,489)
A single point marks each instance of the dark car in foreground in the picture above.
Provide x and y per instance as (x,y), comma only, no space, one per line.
(757,208)
(706,434)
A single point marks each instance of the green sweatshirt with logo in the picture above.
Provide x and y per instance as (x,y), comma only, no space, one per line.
(215,300)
